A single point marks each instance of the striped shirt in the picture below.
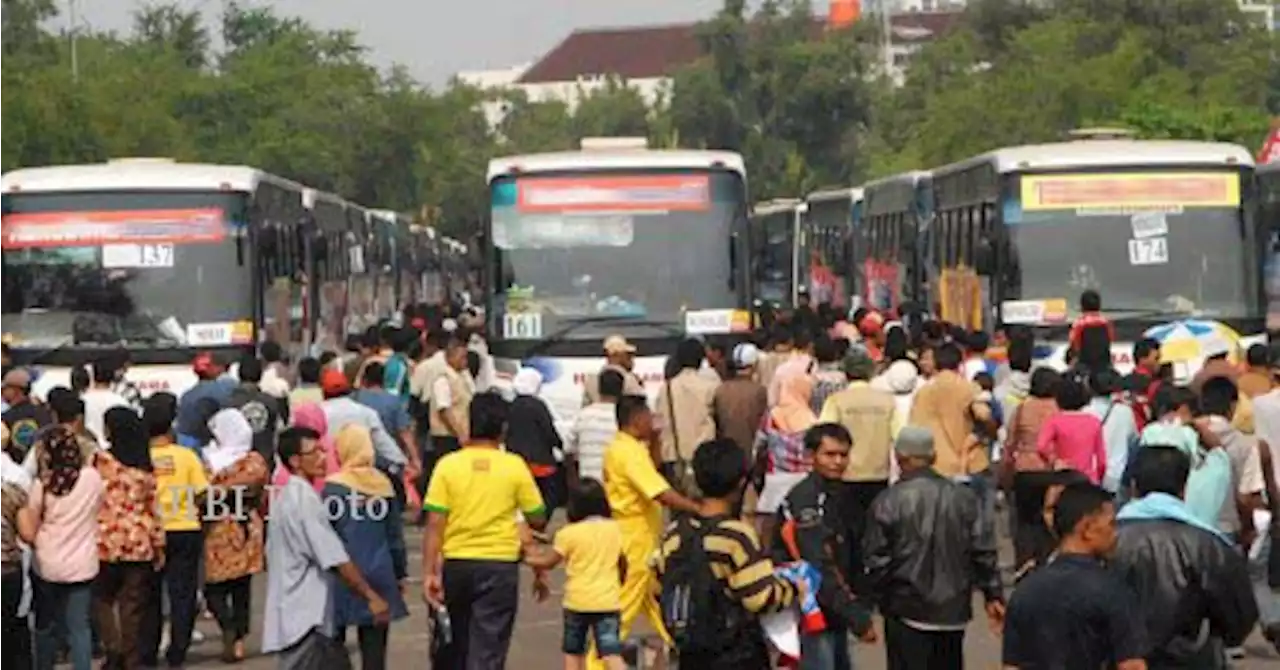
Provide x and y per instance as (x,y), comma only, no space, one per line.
(593,430)
(738,561)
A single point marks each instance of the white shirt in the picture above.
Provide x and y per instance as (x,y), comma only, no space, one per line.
(1246,470)
(442,394)
(593,430)
(974,367)
(96,403)
(1266,424)
(272,383)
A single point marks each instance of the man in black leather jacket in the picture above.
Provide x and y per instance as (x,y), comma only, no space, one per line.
(925,552)
(1193,585)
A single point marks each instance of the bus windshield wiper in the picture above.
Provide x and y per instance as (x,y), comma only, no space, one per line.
(570,326)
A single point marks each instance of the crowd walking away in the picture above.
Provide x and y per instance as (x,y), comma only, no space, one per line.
(835,486)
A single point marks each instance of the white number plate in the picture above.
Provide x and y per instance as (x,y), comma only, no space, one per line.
(522,326)
(1149,251)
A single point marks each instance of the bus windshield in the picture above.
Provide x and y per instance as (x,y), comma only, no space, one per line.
(773,248)
(1155,245)
(133,269)
(588,246)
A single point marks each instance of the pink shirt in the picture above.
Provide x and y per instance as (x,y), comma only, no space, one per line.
(66,546)
(1074,439)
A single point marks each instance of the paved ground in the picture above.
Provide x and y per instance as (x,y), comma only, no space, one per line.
(537,639)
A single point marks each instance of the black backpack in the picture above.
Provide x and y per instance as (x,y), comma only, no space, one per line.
(696,608)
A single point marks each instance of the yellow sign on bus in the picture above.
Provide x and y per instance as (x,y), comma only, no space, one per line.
(1131,191)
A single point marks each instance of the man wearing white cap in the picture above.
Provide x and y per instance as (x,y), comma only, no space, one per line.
(740,400)
(619,355)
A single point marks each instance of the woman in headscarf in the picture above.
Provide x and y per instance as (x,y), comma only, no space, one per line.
(130,538)
(780,446)
(60,522)
(533,435)
(311,415)
(359,499)
(234,531)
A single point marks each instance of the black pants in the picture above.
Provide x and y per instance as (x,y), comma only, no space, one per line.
(481,597)
(855,503)
(120,599)
(909,649)
(373,646)
(1031,536)
(181,578)
(229,602)
(17,630)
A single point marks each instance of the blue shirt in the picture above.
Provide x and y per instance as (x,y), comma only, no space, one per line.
(1209,483)
(395,417)
(190,422)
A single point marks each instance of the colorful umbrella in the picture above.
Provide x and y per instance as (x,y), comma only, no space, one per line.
(1193,340)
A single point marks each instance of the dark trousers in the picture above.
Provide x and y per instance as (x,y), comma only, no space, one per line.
(909,649)
(66,607)
(481,597)
(1031,536)
(120,595)
(180,579)
(229,602)
(855,503)
(373,646)
(17,629)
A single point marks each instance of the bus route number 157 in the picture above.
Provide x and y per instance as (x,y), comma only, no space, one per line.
(522,326)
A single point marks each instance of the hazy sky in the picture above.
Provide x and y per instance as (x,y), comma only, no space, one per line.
(436,38)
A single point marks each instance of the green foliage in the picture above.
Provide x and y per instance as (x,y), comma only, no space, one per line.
(807,108)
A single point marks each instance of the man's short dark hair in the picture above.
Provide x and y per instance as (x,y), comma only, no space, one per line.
(1258,356)
(309,371)
(371,338)
(104,370)
(1160,469)
(1078,502)
(977,341)
(373,374)
(1071,395)
(66,405)
(489,413)
(159,413)
(719,468)
(947,357)
(249,369)
(825,350)
(1218,395)
(689,354)
(388,335)
(629,406)
(289,443)
(815,435)
(271,351)
(1144,348)
(610,384)
(1021,352)
(1090,301)
(1105,382)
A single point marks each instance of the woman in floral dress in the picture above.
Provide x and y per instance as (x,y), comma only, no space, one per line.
(234,531)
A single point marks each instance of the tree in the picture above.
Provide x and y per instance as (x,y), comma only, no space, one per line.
(611,110)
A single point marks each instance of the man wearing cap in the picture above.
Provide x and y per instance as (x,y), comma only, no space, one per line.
(871,417)
(24,418)
(340,409)
(924,557)
(741,401)
(619,355)
(212,382)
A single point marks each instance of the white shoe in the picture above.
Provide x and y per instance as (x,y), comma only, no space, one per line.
(196,637)
(1235,653)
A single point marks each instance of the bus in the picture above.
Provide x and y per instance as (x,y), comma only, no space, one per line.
(615,238)
(777,252)
(1163,230)
(888,244)
(829,253)
(1269,224)
(163,259)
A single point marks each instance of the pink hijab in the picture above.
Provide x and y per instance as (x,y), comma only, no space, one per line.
(311,415)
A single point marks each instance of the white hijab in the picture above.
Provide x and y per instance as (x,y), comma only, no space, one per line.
(232,440)
(527,381)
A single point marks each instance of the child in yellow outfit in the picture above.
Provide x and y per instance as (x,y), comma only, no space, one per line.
(591,549)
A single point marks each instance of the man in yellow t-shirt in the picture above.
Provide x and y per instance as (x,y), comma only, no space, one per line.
(471,550)
(637,493)
(181,484)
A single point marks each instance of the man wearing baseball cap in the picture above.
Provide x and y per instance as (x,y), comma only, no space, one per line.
(212,382)
(619,355)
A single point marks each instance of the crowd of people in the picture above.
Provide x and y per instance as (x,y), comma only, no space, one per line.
(847,468)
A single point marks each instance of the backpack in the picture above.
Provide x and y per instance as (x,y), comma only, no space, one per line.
(696,608)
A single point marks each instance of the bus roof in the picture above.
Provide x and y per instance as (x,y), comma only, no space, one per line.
(852,194)
(911,177)
(624,159)
(140,174)
(1106,153)
(775,206)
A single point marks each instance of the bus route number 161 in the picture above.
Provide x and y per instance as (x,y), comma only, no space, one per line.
(522,326)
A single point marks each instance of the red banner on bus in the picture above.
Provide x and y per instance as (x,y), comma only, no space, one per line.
(615,194)
(85,229)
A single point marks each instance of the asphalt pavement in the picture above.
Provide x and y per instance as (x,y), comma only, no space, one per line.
(536,644)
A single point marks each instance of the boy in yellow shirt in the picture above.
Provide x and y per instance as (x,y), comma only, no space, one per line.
(591,549)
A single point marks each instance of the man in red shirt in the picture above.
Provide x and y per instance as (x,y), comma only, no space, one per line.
(1090,316)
